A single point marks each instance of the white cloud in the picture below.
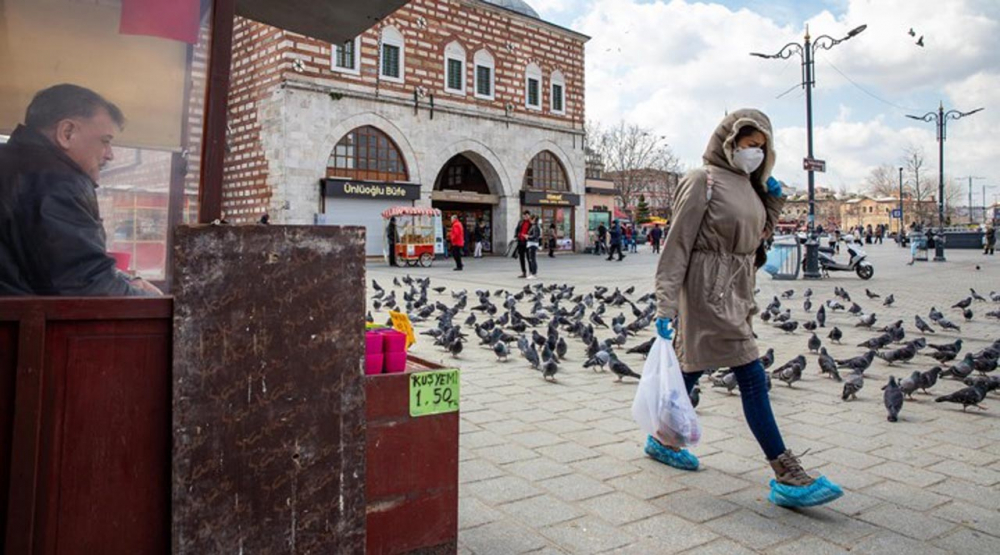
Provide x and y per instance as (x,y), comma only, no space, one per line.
(678,66)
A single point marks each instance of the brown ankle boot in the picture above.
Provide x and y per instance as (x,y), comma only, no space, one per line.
(788,470)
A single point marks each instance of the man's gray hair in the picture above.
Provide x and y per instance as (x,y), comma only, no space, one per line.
(59,102)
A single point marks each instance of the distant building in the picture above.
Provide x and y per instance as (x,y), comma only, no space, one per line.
(865,211)
(828,213)
(657,186)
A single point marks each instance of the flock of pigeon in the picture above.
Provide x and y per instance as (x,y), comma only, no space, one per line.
(502,320)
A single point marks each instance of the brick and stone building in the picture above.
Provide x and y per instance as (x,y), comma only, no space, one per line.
(475,107)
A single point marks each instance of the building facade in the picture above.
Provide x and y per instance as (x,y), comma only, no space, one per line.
(828,212)
(865,211)
(474,107)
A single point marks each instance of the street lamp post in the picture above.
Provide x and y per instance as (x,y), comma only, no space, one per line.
(807,52)
(940,118)
(900,206)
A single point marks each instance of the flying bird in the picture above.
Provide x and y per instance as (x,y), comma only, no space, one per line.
(920,41)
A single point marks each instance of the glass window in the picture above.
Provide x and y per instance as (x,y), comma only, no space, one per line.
(546,172)
(557,98)
(390,61)
(484,81)
(455,74)
(533,88)
(375,158)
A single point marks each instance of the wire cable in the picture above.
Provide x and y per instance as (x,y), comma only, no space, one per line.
(866,91)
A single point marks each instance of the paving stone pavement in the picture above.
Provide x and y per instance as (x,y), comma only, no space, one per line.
(559,467)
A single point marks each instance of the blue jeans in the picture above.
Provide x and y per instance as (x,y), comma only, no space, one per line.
(756,406)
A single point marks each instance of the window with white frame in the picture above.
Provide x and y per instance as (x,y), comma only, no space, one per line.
(347,56)
(558,96)
(533,87)
(454,68)
(485,71)
(392,62)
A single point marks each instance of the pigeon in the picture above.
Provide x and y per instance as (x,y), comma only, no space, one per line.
(929,378)
(855,309)
(968,396)
(808,293)
(455,347)
(598,361)
(621,369)
(961,370)
(642,349)
(984,365)
(836,335)
(791,371)
(964,303)
(943,356)
(935,314)
(867,321)
(597,320)
(807,305)
(561,348)
(976,296)
(821,316)
(989,383)
(532,356)
(912,32)
(954,347)
(828,366)
(923,325)
(501,350)
(852,386)
(911,384)
(788,327)
(892,396)
(695,396)
(877,343)
(814,344)
(871,295)
(889,300)
(768,359)
(727,380)
(967,314)
(810,325)
(920,41)
(946,324)
(903,354)
(788,294)
(549,369)
(835,306)
(858,364)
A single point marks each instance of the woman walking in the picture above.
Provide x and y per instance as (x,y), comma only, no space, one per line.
(550,239)
(534,242)
(705,282)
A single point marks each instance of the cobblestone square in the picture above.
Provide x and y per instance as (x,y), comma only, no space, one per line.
(558,467)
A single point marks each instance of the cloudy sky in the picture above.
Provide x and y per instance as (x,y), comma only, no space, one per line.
(677,66)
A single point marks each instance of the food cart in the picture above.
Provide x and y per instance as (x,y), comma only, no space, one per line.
(417,236)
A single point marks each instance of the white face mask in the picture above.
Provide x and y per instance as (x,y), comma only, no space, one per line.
(748,159)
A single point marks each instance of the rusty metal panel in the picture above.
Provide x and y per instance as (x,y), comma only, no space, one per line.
(269,403)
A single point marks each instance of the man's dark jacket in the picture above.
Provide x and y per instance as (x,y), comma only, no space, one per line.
(52,241)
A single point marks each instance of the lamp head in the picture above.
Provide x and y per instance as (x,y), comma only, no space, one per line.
(856,31)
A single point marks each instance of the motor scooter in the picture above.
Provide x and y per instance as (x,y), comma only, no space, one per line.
(857,263)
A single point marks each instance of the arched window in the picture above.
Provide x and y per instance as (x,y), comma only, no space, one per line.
(367,153)
(454,68)
(557,99)
(533,87)
(392,58)
(546,173)
(485,71)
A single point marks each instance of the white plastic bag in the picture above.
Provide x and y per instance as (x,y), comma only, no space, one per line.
(662,407)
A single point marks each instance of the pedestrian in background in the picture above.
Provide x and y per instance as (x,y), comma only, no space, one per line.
(705,283)
(627,241)
(392,235)
(550,238)
(533,243)
(457,238)
(602,237)
(615,244)
(522,241)
(655,236)
(991,240)
(478,234)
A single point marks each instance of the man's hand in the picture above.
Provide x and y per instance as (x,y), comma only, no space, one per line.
(144,285)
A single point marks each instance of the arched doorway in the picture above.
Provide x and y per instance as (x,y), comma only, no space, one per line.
(545,192)
(464,190)
(365,175)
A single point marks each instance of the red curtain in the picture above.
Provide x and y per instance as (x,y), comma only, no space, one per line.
(170,19)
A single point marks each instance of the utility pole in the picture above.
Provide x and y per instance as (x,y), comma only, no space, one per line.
(900,237)
(940,119)
(970,178)
(807,52)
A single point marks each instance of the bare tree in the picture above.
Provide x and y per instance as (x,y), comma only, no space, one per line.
(920,188)
(882,182)
(953,194)
(636,159)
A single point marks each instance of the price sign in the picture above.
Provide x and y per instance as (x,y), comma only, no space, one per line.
(433,392)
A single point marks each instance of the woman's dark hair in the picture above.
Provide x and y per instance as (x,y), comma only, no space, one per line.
(744,131)
(59,102)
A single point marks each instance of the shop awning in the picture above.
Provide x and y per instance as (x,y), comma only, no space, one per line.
(334,21)
(410,211)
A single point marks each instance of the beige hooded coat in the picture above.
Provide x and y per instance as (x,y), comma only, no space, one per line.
(706,275)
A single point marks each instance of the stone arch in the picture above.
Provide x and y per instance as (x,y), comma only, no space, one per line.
(485,159)
(575,183)
(383,124)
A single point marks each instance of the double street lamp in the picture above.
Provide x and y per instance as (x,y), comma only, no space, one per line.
(940,118)
(807,52)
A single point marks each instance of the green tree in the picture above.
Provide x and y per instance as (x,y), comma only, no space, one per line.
(642,211)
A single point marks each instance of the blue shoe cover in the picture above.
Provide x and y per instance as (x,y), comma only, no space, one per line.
(682,460)
(819,492)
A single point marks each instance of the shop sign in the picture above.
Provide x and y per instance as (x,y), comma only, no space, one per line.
(433,392)
(342,188)
(546,198)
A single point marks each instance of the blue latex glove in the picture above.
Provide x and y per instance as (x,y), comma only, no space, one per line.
(663,328)
(773,187)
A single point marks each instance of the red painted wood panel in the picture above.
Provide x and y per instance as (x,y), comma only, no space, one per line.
(8,369)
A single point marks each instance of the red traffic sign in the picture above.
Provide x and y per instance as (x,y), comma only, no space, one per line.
(811,164)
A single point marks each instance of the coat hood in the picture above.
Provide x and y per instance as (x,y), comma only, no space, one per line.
(722,144)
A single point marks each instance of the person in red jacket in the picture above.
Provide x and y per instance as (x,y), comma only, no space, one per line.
(457,239)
